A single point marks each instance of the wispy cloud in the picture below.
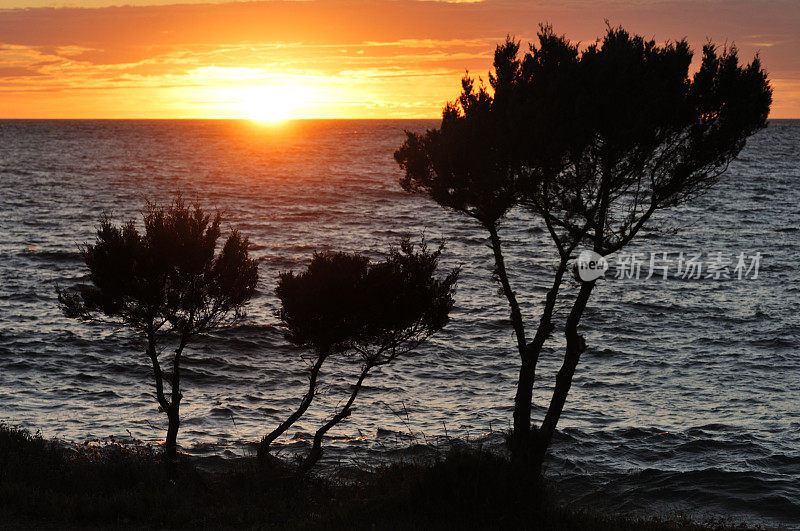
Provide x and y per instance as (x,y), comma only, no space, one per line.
(362,57)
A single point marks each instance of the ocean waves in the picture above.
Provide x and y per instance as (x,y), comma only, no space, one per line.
(686,393)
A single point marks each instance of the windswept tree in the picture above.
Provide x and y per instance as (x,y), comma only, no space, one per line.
(647,137)
(317,309)
(345,304)
(168,283)
(470,165)
(399,304)
(600,141)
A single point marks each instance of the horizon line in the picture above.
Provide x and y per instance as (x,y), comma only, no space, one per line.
(275,122)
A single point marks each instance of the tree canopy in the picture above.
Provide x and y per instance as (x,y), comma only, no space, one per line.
(345,301)
(375,310)
(592,142)
(169,280)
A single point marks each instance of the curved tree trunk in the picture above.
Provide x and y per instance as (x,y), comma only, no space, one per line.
(263,447)
(170,444)
(173,412)
(170,407)
(575,347)
(316,448)
(524,396)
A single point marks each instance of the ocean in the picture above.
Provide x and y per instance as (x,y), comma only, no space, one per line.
(686,400)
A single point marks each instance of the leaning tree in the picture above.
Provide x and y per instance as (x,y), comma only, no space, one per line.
(317,306)
(375,311)
(398,306)
(592,143)
(168,283)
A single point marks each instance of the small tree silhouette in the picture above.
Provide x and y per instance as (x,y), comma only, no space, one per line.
(317,309)
(399,305)
(345,304)
(166,283)
(593,143)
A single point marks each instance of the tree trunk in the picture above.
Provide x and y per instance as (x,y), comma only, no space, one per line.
(263,447)
(523,399)
(171,444)
(521,447)
(316,448)
(173,411)
(575,347)
(502,275)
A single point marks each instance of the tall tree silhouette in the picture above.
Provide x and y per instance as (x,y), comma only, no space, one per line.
(168,283)
(593,144)
(487,151)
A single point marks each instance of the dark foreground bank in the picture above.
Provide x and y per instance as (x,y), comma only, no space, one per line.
(44,484)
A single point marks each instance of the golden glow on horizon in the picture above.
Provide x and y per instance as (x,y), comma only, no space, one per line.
(268,104)
(275,60)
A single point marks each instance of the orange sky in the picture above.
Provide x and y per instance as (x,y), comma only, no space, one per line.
(327,59)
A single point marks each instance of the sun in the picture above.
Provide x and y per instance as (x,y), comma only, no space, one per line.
(271,103)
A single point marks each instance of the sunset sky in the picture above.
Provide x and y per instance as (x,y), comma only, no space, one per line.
(327,59)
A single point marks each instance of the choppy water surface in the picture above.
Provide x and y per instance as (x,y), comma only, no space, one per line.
(687,398)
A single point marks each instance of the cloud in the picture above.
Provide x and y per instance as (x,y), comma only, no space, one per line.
(17,71)
(404,55)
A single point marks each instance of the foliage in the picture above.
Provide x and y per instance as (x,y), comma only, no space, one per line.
(46,485)
(465,164)
(375,310)
(166,281)
(644,136)
(319,305)
(344,302)
(593,143)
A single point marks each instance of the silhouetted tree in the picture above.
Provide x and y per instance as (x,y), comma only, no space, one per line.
(471,164)
(377,311)
(646,138)
(487,151)
(168,282)
(317,308)
(593,143)
(398,306)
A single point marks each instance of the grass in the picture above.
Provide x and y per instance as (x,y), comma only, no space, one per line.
(122,486)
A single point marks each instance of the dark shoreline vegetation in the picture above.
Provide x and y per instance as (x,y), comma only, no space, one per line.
(44,484)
